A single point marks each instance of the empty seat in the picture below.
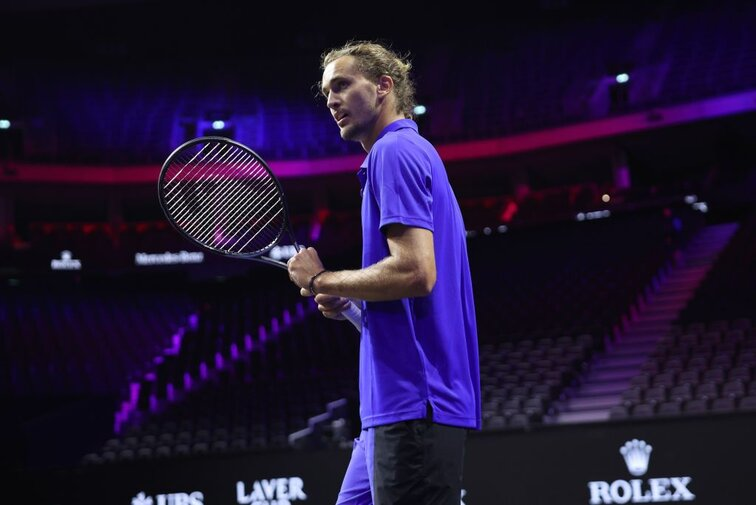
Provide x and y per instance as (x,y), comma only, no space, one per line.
(655,394)
(723,405)
(651,367)
(163,451)
(619,412)
(543,365)
(531,378)
(148,440)
(746,358)
(556,378)
(707,391)
(109,456)
(495,422)
(664,379)
(511,406)
(521,420)
(200,448)
(220,434)
(144,453)
(721,361)
(697,363)
(543,391)
(741,373)
(238,444)
(491,406)
(697,406)
(727,347)
(632,396)
(734,336)
(644,410)
(714,375)
(687,340)
(643,380)
(126,455)
(91,459)
(681,392)
(166,438)
(670,408)
(747,403)
(181,449)
(733,389)
(533,406)
(711,337)
(689,377)
(586,340)
(520,392)
(674,363)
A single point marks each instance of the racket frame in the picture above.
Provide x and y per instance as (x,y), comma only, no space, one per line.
(256,256)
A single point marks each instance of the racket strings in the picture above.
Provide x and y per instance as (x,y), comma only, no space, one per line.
(214,204)
(238,200)
(224,197)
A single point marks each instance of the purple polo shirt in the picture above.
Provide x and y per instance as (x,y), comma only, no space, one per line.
(417,351)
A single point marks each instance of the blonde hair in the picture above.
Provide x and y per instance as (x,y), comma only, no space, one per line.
(374,60)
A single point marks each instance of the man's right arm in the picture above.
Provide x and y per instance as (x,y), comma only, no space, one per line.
(408,271)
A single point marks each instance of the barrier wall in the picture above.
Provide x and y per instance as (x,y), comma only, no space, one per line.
(699,460)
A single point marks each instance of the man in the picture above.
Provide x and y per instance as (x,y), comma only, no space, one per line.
(419,370)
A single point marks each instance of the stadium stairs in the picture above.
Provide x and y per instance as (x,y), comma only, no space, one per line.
(610,372)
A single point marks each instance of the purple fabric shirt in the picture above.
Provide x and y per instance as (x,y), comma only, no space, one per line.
(417,351)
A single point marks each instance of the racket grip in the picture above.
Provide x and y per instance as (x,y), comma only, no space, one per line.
(354,315)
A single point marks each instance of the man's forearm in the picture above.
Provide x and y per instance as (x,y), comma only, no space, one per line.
(389,279)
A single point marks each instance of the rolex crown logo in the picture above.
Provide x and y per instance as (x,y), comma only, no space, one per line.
(636,454)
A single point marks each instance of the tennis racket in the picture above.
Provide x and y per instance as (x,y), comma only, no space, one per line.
(222,196)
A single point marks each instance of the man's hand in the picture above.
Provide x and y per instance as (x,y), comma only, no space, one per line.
(302,266)
(332,306)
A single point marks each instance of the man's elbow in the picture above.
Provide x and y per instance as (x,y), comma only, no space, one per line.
(424,281)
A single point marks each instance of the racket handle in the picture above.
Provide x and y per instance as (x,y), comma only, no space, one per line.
(354,315)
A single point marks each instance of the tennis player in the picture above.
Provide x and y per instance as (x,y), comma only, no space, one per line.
(419,372)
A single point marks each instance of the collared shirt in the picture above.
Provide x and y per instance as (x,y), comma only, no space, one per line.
(421,351)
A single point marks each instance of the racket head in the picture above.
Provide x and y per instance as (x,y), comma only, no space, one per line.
(222,195)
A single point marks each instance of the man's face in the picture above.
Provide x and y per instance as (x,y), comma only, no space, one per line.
(352,99)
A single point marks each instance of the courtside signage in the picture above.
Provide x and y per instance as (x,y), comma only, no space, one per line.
(637,455)
(168,258)
(66,262)
(193,498)
(277,491)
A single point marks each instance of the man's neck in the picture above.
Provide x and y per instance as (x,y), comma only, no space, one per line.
(383,122)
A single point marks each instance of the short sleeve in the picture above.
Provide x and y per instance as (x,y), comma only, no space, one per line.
(402,185)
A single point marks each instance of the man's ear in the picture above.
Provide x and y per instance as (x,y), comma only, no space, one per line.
(385,85)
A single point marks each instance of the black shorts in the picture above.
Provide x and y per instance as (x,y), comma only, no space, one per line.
(414,462)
